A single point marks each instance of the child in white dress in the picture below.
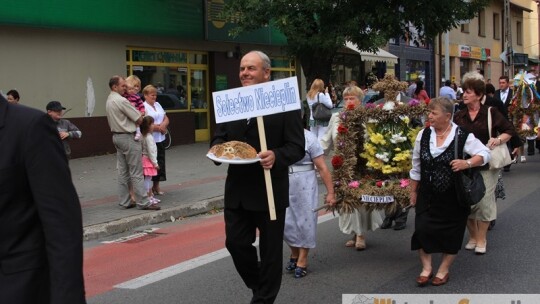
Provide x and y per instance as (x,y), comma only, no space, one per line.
(149,155)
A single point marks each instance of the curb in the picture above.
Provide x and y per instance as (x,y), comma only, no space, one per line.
(122,225)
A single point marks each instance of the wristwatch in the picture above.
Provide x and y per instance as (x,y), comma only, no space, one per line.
(469,163)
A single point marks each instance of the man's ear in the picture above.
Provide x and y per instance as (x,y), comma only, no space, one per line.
(267,74)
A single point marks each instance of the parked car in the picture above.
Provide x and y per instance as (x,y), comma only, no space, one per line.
(171,102)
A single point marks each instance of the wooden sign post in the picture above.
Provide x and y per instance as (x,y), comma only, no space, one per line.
(257,101)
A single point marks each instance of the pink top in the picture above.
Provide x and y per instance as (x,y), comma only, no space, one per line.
(135,101)
(422,96)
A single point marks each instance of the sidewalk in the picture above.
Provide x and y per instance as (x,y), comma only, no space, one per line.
(194,185)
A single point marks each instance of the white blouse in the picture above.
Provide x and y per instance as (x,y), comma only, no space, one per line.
(473,146)
(158,114)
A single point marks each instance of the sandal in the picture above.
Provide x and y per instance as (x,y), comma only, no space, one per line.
(350,243)
(300,272)
(360,243)
(291,265)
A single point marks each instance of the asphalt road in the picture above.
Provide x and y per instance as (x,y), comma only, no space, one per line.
(388,266)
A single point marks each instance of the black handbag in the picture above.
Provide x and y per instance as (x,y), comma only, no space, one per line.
(469,184)
(320,111)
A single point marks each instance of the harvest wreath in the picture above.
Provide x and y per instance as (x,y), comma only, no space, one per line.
(373,155)
(524,107)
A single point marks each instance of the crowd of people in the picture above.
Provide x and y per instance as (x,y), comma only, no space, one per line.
(457,114)
(457,121)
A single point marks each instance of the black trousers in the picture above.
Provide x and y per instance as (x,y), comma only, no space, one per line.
(240,228)
(530,146)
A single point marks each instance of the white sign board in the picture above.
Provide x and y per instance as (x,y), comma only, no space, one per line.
(377,199)
(257,100)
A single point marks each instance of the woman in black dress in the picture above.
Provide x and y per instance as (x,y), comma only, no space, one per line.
(440,218)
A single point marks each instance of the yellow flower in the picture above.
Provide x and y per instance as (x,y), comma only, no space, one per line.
(378,138)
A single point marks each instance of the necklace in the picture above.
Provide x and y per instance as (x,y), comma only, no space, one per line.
(444,133)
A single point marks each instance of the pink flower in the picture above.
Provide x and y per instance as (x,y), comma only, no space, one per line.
(379,183)
(413,102)
(354,184)
(404,182)
(370,105)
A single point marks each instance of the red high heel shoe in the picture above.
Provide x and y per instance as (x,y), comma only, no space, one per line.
(438,282)
(423,280)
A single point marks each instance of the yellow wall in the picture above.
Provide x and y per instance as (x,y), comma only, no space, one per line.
(495,67)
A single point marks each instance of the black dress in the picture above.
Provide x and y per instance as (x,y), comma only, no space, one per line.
(440,218)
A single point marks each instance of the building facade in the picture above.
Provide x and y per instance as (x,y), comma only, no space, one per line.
(480,44)
(68,50)
(415,61)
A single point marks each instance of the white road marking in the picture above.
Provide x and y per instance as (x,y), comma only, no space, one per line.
(190,264)
(132,236)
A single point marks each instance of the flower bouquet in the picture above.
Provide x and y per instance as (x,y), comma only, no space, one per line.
(525,105)
(373,155)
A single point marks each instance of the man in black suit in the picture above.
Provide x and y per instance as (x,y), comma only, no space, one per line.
(246,203)
(41,252)
(504,95)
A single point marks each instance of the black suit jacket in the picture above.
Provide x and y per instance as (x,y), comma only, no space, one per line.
(245,184)
(40,214)
(505,102)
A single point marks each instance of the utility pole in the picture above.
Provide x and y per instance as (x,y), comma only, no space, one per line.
(538,13)
(509,70)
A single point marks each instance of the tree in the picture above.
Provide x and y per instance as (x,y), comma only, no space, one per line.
(317,29)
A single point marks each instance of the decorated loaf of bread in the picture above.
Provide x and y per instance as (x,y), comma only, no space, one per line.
(234,150)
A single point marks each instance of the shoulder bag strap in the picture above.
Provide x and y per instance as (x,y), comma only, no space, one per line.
(489,121)
(456,144)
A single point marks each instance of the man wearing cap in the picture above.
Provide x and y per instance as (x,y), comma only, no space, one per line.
(66,129)
(123,119)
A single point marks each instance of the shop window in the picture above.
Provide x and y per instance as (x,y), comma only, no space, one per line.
(282,67)
(482,23)
(197,58)
(180,76)
(158,56)
(496,26)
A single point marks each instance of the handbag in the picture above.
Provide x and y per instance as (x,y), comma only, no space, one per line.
(500,156)
(320,111)
(470,187)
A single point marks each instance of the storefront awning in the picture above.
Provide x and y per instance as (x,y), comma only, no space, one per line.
(380,56)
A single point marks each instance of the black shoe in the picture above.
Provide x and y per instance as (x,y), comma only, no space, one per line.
(491,225)
(291,265)
(300,272)
(399,226)
(401,219)
(387,223)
